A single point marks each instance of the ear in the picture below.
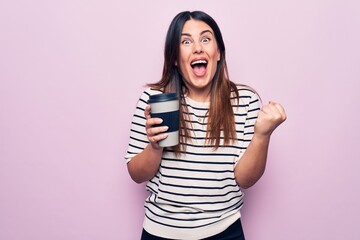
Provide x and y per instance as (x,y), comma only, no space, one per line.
(175,63)
(218,55)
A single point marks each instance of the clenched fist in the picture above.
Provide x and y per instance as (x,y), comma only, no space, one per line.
(270,116)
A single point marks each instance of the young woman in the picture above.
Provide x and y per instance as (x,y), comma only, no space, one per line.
(195,187)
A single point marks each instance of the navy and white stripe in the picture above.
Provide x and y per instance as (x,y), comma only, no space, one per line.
(195,193)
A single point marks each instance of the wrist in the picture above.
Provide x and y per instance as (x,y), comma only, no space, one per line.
(261,136)
(155,148)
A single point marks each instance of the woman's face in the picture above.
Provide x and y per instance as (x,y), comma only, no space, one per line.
(198,57)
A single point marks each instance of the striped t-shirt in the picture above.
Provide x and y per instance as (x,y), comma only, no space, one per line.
(195,195)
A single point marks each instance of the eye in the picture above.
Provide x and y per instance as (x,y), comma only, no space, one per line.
(205,40)
(186,42)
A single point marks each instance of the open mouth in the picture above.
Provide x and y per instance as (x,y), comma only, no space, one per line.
(199,67)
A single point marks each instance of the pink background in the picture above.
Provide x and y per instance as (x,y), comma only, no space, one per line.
(70,75)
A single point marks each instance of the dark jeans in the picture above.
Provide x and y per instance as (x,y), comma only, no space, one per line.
(233,232)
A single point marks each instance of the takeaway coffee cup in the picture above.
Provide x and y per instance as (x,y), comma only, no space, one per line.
(166,107)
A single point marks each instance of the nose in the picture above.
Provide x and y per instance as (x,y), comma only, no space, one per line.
(197,47)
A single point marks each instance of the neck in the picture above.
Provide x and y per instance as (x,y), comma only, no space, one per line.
(199,96)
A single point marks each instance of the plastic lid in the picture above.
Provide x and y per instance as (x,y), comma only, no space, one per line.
(163,97)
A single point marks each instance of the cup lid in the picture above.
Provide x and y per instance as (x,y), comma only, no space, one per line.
(163,97)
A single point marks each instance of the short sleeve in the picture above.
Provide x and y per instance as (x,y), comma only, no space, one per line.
(138,139)
(252,110)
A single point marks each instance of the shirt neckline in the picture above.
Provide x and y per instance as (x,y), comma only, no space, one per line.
(196,103)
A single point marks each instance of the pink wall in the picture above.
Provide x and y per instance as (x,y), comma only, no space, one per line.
(70,75)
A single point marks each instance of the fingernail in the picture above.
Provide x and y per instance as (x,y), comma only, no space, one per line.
(165,128)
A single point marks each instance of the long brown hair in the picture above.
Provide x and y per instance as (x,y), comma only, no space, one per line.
(220,115)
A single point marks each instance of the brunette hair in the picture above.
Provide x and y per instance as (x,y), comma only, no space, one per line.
(220,114)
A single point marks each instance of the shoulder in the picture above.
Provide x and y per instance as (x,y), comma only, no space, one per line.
(244,93)
(144,97)
(246,100)
(149,92)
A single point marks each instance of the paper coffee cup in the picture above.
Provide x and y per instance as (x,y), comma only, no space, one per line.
(166,107)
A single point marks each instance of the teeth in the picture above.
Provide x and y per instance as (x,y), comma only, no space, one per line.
(199,62)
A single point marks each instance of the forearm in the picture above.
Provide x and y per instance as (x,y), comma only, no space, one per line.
(145,165)
(251,165)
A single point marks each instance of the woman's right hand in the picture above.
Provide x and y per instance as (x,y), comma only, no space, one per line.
(154,134)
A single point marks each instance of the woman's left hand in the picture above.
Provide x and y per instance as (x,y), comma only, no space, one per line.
(269,118)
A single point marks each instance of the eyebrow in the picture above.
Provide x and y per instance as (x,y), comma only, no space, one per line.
(203,32)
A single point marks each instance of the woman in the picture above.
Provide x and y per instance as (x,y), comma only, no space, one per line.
(195,187)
